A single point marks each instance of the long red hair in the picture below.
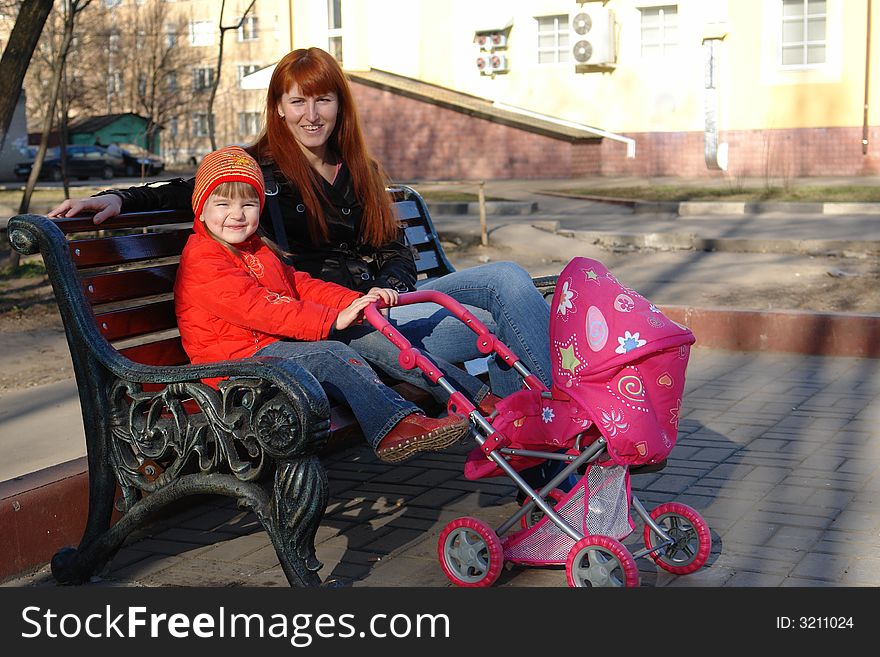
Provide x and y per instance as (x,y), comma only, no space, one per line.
(317,72)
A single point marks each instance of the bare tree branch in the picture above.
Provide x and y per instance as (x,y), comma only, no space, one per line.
(71,10)
(216,81)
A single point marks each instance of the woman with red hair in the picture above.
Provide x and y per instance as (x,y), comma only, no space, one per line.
(330,215)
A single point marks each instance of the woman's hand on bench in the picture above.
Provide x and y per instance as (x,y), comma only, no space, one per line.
(104,207)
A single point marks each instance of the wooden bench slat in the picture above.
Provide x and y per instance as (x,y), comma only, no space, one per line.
(426,260)
(137,320)
(131,284)
(84,224)
(104,251)
(416,235)
(407,210)
(161,352)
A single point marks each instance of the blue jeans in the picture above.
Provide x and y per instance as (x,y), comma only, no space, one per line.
(381,353)
(346,377)
(502,296)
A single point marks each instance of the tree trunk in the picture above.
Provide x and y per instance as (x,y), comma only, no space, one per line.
(17,56)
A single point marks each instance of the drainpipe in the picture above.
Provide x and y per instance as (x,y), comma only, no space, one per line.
(867,77)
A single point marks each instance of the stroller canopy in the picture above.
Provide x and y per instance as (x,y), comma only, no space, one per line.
(619,359)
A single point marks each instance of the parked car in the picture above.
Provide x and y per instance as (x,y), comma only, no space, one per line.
(82,162)
(138,159)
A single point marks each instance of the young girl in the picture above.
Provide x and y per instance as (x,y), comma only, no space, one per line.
(234,299)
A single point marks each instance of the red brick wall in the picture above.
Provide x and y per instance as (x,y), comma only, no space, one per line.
(769,153)
(417,140)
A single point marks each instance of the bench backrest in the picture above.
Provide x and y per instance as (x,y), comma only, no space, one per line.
(127,272)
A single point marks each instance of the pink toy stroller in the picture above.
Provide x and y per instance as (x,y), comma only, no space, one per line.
(618,377)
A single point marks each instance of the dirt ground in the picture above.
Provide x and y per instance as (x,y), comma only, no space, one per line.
(34,350)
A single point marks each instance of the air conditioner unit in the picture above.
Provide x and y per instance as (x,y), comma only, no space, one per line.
(484,41)
(490,41)
(593,37)
(498,63)
(498,40)
(491,63)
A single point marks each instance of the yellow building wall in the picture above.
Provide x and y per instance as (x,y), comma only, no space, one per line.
(433,41)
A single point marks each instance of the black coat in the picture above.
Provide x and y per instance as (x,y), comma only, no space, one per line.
(345,259)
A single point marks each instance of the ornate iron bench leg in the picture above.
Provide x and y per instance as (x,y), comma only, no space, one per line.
(297,508)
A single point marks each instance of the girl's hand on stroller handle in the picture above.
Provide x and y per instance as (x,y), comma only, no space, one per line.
(388,296)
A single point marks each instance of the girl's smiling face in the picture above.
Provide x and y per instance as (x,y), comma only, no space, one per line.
(233,220)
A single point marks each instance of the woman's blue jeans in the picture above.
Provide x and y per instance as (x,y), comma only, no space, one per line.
(343,372)
(502,296)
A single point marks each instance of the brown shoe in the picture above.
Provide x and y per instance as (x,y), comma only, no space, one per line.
(418,433)
(487,404)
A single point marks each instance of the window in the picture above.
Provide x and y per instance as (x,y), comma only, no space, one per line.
(247,31)
(552,39)
(170,36)
(203,78)
(803,33)
(248,123)
(142,85)
(246,69)
(334,29)
(112,3)
(200,127)
(201,33)
(171,80)
(113,42)
(114,83)
(173,127)
(659,30)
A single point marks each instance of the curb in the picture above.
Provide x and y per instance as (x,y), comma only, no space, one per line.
(690,241)
(40,513)
(801,332)
(727,208)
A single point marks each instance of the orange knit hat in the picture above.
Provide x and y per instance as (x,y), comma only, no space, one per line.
(230,164)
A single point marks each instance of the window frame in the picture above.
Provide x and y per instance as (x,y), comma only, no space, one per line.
(667,48)
(334,30)
(240,68)
(194,34)
(562,53)
(198,75)
(805,42)
(251,117)
(197,119)
(250,33)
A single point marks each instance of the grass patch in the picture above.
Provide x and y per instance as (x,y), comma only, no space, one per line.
(30,269)
(450,196)
(816,194)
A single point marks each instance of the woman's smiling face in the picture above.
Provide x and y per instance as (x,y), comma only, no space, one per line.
(311,119)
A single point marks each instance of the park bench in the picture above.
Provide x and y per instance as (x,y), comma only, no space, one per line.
(156,434)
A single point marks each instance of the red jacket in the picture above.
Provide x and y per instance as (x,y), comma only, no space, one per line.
(231,307)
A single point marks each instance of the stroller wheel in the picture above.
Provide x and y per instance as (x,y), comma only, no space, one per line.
(470,552)
(601,561)
(534,516)
(690,534)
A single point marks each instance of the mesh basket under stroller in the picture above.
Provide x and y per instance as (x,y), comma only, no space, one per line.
(613,408)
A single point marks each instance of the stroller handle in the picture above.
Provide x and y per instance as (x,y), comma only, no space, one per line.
(410,357)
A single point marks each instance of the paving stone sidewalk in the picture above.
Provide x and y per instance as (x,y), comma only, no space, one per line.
(779,452)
